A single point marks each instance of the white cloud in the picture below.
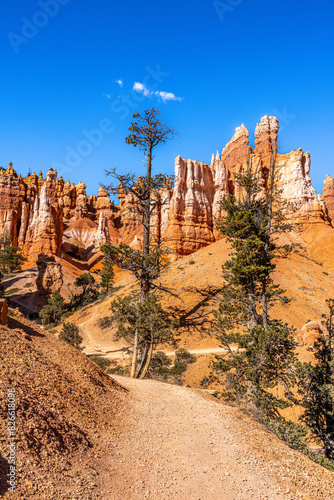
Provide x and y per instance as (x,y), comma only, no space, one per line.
(167,96)
(120,82)
(141,88)
(108,96)
(161,94)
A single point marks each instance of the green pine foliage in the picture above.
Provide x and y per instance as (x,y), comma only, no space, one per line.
(146,322)
(52,312)
(11,259)
(87,283)
(260,350)
(107,272)
(70,334)
(316,387)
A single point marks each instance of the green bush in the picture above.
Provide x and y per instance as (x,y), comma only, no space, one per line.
(159,365)
(105,322)
(102,362)
(70,334)
(12,291)
(294,435)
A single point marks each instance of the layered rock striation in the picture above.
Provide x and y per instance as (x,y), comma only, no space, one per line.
(52,216)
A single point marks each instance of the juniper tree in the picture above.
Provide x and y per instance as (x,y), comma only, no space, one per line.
(316,387)
(264,355)
(147,132)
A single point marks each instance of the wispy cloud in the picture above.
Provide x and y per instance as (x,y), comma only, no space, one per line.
(161,94)
(108,96)
(120,82)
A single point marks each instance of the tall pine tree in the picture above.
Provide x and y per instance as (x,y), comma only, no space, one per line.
(260,349)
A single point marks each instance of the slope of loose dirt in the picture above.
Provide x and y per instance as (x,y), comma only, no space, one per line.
(180,445)
(308,279)
(65,408)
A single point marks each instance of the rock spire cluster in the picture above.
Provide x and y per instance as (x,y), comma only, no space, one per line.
(52,216)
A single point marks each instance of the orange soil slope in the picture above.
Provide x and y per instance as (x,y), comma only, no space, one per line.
(64,402)
(307,275)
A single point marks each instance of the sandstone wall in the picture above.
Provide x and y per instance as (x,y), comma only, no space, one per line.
(52,216)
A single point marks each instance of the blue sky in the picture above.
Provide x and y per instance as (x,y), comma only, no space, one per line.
(221,64)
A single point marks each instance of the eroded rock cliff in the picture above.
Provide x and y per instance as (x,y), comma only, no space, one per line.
(53,216)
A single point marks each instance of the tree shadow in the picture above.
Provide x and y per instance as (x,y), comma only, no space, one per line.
(7,283)
(4,470)
(15,323)
(199,316)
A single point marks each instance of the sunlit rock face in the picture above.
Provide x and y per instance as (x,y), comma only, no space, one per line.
(50,276)
(53,216)
(190,210)
(328,197)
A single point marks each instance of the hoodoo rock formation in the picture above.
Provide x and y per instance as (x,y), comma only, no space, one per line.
(50,276)
(328,197)
(53,216)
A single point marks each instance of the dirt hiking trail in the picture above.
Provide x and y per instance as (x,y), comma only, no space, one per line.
(179,444)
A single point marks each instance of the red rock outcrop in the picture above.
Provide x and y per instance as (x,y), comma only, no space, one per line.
(328,197)
(50,276)
(310,332)
(266,136)
(190,212)
(53,216)
(236,150)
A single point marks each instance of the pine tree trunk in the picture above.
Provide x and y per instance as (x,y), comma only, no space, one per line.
(148,361)
(142,361)
(134,356)
(147,208)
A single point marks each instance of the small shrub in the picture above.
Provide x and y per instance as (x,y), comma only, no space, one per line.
(105,322)
(28,285)
(12,291)
(182,359)
(191,262)
(160,364)
(118,370)
(70,334)
(185,356)
(294,435)
(102,362)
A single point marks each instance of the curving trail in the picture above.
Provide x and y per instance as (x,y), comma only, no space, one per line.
(177,444)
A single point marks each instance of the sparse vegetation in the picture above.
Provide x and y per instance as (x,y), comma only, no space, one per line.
(105,322)
(53,311)
(12,291)
(147,132)
(161,364)
(316,387)
(107,273)
(265,353)
(89,293)
(70,334)
(11,258)
(102,362)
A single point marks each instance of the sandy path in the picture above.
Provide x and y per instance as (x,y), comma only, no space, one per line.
(180,445)
(121,352)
